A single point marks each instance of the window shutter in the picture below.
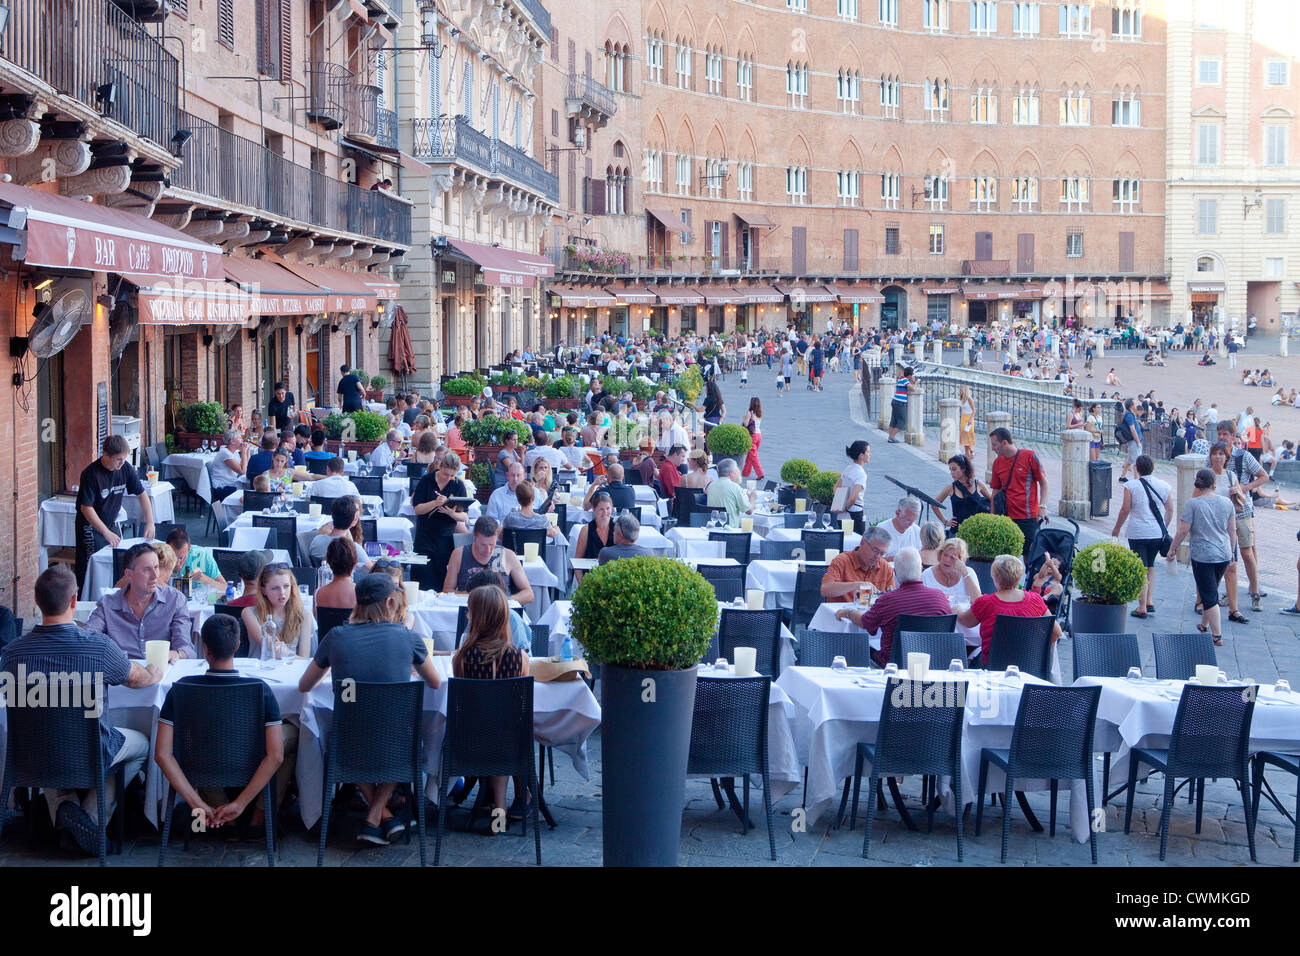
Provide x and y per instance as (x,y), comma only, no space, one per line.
(226,23)
(587,57)
(181,8)
(850,250)
(1126,252)
(595,196)
(1025,252)
(740,246)
(286,41)
(555,45)
(573,56)
(262,34)
(725,245)
(573,177)
(798,250)
(754,235)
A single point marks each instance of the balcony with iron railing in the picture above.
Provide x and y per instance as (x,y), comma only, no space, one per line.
(365,119)
(590,100)
(541,17)
(452,139)
(329,92)
(97,54)
(240,172)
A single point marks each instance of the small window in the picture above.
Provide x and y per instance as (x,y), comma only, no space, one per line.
(936,240)
(1275,145)
(1074,245)
(1273,267)
(1276,72)
(1207,71)
(1207,144)
(1205,264)
(1275,217)
(891,240)
(1207,217)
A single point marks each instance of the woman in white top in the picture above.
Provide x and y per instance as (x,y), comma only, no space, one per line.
(854,481)
(1144,531)
(958,583)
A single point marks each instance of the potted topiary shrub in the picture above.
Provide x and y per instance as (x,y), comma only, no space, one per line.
(480,473)
(561,392)
(797,472)
(986,537)
(647,622)
(357,431)
(377,385)
(1107,577)
(202,421)
(461,390)
(486,436)
(729,441)
(822,486)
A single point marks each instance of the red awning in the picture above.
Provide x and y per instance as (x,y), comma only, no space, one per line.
(811,293)
(677,295)
(577,297)
(940,288)
(64,233)
(502,267)
(665,216)
(721,295)
(633,295)
(760,294)
(345,291)
(855,293)
(274,289)
(754,218)
(997,290)
(168,300)
(1031,290)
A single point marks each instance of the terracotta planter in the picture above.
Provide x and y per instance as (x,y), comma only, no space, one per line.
(457,401)
(487,453)
(375,395)
(189,441)
(565,404)
(360,447)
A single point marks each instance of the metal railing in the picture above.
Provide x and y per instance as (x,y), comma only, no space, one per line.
(386,127)
(453,139)
(366,118)
(593,92)
(330,89)
(95,53)
(228,167)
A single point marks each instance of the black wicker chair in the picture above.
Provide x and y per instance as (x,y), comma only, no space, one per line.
(255,501)
(1178,654)
(284,532)
(815,543)
(1211,738)
(119,565)
(820,648)
(328,618)
(326,502)
(318,466)
(760,630)
(306,576)
(1287,763)
(490,734)
(219,739)
(515,538)
(1105,655)
(161,529)
(228,562)
(1052,740)
(697,519)
(462,624)
(59,747)
(729,739)
(416,469)
(369,529)
(369,485)
(807,595)
(1023,641)
(728,580)
(735,545)
(237,612)
(794,519)
(375,738)
(943,647)
(921,624)
(912,738)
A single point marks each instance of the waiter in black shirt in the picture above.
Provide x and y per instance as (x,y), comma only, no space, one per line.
(104,482)
(279,412)
(349,391)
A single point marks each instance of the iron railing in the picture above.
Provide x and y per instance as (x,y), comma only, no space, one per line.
(453,139)
(592,92)
(386,127)
(95,53)
(228,167)
(330,89)
(366,118)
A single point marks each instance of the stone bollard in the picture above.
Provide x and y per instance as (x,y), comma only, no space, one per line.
(966,345)
(1074,502)
(1188,466)
(918,352)
(1283,346)
(885,394)
(1100,351)
(898,355)
(994,420)
(1223,345)
(949,428)
(938,351)
(915,432)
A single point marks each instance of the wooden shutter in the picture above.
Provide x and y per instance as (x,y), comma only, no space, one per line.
(798,250)
(594,204)
(573,56)
(555,45)
(753,249)
(262,36)
(983,246)
(740,246)
(226,23)
(1126,252)
(181,8)
(573,178)
(1025,252)
(286,40)
(587,56)
(725,244)
(850,250)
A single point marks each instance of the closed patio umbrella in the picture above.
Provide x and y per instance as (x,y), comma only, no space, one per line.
(400,354)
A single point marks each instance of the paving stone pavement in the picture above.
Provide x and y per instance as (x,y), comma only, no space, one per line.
(818,426)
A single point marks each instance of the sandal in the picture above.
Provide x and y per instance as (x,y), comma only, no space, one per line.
(1238,617)
(1141,615)
(1218,641)
(1151,609)
(1202,628)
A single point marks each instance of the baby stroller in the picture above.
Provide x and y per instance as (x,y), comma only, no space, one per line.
(1062,544)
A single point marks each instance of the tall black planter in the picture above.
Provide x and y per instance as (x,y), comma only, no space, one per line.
(644,745)
(1088,618)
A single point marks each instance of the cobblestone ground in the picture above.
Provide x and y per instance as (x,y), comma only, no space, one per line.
(818,426)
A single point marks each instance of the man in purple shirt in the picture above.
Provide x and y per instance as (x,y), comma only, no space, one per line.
(144,610)
(910,597)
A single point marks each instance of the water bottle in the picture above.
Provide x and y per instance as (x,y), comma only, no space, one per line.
(566,648)
(230,591)
(270,634)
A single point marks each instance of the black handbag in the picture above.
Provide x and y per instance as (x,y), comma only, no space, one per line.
(999,503)
(1165,539)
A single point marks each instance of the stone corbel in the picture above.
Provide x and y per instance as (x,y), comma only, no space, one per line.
(105,181)
(378,258)
(207,229)
(177,220)
(322,251)
(52,159)
(254,237)
(362,254)
(297,247)
(442,183)
(18,137)
(140,198)
(233,230)
(342,250)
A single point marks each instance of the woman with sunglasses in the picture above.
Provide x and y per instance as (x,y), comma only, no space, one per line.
(543,482)
(277,599)
(436,522)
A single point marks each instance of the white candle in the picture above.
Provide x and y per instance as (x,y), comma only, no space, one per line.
(800,505)
(745,658)
(530,550)
(1207,674)
(412,592)
(156,654)
(846,525)
(313,509)
(754,599)
(746,524)
(918,665)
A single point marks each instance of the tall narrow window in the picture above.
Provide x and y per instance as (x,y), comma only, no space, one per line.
(745,77)
(467,93)
(934,14)
(1207,217)
(226,23)
(1275,217)
(1024,193)
(1076,108)
(847,9)
(890,190)
(1074,193)
(1207,144)
(1075,20)
(936,240)
(1125,194)
(713,71)
(683,175)
(1024,19)
(1275,137)
(796,183)
(984,106)
(745,180)
(1125,110)
(936,99)
(1024,108)
(984,193)
(890,96)
(936,192)
(887,11)
(846,90)
(1126,19)
(984,17)
(847,187)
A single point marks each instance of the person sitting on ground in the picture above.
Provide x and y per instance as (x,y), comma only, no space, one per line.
(335,484)
(1207,359)
(216,807)
(910,597)
(1008,572)
(370,648)
(626,530)
(47,648)
(865,565)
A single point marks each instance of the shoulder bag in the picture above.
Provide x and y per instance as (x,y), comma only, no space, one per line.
(1165,539)
(999,504)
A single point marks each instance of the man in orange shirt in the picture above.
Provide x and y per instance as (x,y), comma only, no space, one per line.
(853,569)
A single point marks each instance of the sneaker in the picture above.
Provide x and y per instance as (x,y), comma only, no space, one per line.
(395,826)
(1291,610)
(79,825)
(372,835)
(1255,604)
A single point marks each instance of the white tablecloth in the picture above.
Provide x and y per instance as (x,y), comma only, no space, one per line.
(694,542)
(57,516)
(781,542)
(395,531)
(234,504)
(99,573)
(776,579)
(193,467)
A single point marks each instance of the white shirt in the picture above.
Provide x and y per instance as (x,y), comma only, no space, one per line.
(675,435)
(855,474)
(958,590)
(911,538)
(1141,524)
(334,486)
(1212,415)
(575,456)
(382,456)
(502,502)
(222,476)
(552,455)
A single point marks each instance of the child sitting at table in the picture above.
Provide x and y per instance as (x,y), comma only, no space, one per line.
(262,482)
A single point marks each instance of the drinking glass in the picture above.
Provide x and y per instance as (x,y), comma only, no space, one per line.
(1134,673)
(1013,672)
(891,670)
(956,665)
(840,664)
(1282,687)
(304,594)
(721,665)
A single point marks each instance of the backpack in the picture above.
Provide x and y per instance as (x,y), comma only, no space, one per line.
(1123,434)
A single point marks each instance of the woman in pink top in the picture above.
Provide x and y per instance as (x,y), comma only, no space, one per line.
(454,441)
(1008,571)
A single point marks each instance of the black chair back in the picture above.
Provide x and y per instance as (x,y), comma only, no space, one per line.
(369,485)
(728,580)
(815,543)
(328,618)
(1023,641)
(541,635)
(1211,736)
(942,646)
(793,519)
(307,576)
(254,501)
(119,566)
(934,623)
(516,538)
(318,466)
(913,737)
(284,532)
(820,648)
(807,594)
(1178,654)
(489,727)
(219,731)
(1053,733)
(326,502)
(1104,655)
(416,469)
(697,519)
(736,544)
(237,612)
(632,474)
(760,630)
(161,529)
(462,624)
(370,529)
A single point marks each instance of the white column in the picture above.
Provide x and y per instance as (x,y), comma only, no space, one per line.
(1283,346)
(949,428)
(1074,501)
(884,400)
(915,434)
(938,351)
(1188,466)
(995,420)
(1223,345)
(1101,346)
(966,345)
(918,351)
(898,355)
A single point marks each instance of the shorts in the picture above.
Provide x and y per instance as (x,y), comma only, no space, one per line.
(1146,549)
(1246,532)
(898,414)
(1095,445)
(1131,452)
(1207,577)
